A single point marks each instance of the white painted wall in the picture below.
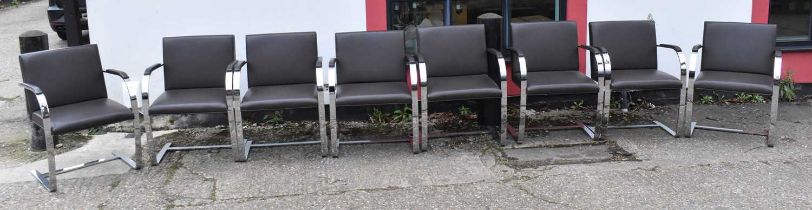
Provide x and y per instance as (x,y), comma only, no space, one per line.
(129,32)
(679,22)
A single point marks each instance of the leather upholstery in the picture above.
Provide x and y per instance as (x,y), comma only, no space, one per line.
(186,101)
(453,50)
(197,61)
(67,75)
(281,59)
(462,87)
(643,79)
(279,97)
(547,46)
(631,44)
(376,93)
(734,81)
(370,57)
(84,115)
(559,82)
(738,47)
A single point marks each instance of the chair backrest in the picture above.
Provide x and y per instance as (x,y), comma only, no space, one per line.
(547,46)
(453,50)
(631,44)
(282,58)
(67,75)
(197,61)
(370,57)
(738,47)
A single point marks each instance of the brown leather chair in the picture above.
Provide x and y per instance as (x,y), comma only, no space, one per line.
(545,62)
(632,46)
(456,65)
(69,94)
(196,80)
(370,69)
(284,72)
(739,57)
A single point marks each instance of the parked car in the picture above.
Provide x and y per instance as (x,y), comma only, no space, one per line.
(56,17)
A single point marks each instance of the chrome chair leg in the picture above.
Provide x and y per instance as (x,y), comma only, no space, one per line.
(333,126)
(424,119)
(773,116)
(522,111)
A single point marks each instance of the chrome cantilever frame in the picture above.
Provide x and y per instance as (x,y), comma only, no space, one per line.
(239,147)
(48,180)
(411,60)
(519,62)
(424,121)
(691,125)
(683,66)
(331,86)
(607,99)
(235,101)
(500,59)
(332,80)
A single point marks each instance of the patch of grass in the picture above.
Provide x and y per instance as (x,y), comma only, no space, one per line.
(15,3)
(577,105)
(465,111)
(749,98)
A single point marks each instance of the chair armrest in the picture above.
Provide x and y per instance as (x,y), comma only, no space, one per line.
(145,82)
(411,60)
(40,97)
(121,74)
(519,62)
(501,62)
(693,65)
(597,57)
(132,90)
(332,75)
(683,65)
(607,62)
(421,68)
(320,83)
(233,77)
(777,64)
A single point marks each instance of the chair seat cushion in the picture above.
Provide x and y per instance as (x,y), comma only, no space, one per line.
(373,93)
(734,81)
(643,79)
(187,101)
(279,97)
(462,88)
(559,82)
(84,115)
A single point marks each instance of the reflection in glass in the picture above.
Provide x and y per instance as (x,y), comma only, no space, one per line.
(534,11)
(467,11)
(407,15)
(792,18)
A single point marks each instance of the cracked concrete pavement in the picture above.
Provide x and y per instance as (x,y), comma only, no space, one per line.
(710,170)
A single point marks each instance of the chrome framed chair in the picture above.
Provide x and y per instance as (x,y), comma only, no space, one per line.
(196,80)
(545,62)
(70,95)
(456,65)
(738,57)
(632,46)
(370,68)
(284,72)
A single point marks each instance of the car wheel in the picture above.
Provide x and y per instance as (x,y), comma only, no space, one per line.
(62,35)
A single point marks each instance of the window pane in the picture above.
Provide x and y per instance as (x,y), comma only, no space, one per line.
(466,11)
(792,18)
(534,10)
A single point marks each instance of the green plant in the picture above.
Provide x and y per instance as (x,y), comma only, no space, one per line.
(747,97)
(273,118)
(706,100)
(15,3)
(787,87)
(378,117)
(579,104)
(465,111)
(402,115)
